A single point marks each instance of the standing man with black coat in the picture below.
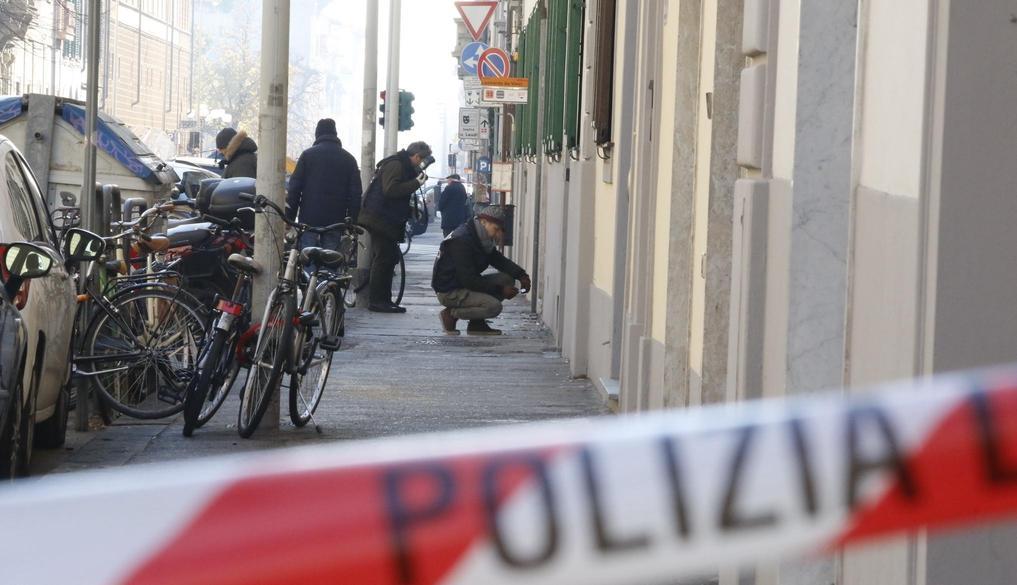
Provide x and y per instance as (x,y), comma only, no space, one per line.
(325,187)
(453,205)
(459,278)
(384,214)
(239,153)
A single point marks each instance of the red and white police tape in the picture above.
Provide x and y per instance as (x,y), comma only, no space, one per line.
(609,501)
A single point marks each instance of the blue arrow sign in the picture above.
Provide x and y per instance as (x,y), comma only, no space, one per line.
(471,56)
(484,165)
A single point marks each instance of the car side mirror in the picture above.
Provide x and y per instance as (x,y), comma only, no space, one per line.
(24,261)
(82,245)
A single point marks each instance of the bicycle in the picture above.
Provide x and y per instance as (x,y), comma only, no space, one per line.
(138,348)
(302,343)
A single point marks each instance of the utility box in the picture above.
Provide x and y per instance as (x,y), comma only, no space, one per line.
(50,131)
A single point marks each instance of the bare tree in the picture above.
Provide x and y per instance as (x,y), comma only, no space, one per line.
(15,19)
(307,88)
(229,76)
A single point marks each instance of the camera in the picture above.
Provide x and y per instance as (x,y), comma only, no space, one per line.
(426,163)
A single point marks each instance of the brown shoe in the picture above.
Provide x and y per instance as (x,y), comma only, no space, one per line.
(480,327)
(448,322)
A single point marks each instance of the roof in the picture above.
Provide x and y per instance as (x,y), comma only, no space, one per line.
(113,137)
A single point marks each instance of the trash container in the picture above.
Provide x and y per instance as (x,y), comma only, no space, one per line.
(510,219)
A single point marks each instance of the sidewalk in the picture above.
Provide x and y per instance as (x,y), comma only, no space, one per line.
(396,374)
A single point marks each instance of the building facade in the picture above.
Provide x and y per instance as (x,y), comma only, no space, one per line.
(774,197)
(145,61)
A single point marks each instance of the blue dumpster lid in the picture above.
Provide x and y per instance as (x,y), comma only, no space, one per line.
(114,138)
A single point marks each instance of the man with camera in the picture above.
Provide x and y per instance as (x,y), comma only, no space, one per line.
(385,211)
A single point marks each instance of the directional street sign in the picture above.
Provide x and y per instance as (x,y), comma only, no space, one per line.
(485,127)
(484,165)
(506,95)
(471,56)
(469,123)
(476,16)
(493,63)
(469,145)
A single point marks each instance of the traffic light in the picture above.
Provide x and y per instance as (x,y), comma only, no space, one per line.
(405,110)
(381,120)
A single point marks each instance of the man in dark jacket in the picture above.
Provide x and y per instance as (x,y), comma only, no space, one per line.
(452,203)
(325,187)
(385,211)
(239,153)
(458,277)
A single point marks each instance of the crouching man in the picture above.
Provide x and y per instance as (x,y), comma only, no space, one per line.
(458,277)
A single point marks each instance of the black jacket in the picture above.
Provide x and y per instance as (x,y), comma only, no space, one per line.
(241,160)
(325,186)
(462,259)
(387,200)
(453,205)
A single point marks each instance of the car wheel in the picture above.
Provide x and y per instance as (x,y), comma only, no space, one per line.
(10,435)
(52,432)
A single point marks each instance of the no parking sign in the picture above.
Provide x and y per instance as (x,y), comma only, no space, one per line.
(493,62)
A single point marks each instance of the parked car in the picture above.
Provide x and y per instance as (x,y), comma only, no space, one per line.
(19,263)
(47,304)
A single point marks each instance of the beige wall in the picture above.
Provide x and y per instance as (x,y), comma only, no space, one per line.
(662,229)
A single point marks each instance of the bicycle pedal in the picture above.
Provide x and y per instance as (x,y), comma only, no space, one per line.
(330,342)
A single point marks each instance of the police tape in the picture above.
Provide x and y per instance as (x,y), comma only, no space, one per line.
(606,501)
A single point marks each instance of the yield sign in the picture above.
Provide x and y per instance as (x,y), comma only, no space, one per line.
(476,16)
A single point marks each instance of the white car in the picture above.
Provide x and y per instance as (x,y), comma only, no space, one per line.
(47,304)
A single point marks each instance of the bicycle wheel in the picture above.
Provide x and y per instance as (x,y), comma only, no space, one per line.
(201,381)
(265,375)
(400,276)
(142,352)
(320,340)
(404,246)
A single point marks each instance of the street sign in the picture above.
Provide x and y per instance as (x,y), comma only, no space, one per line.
(493,63)
(469,123)
(471,83)
(471,56)
(501,177)
(473,97)
(508,95)
(477,15)
(469,144)
(484,165)
(484,129)
(516,82)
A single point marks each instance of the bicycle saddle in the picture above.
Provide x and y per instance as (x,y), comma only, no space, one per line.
(153,244)
(189,235)
(321,257)
(244,264)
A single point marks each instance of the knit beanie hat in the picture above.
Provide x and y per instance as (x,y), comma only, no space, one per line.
(326,127)
(222,139)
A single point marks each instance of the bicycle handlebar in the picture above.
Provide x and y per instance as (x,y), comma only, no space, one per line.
(263,202)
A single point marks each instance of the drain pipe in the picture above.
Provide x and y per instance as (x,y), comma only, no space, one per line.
(137,95)
(537,192)
(172,46)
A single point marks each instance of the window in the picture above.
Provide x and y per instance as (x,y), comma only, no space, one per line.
(603,72)
(42,211)
(23,212)
(70,29)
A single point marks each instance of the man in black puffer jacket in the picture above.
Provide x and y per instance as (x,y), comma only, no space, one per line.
(325,187)
(384,214)
(459,278)
(239,153)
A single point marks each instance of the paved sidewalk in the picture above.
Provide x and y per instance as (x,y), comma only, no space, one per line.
(396,374)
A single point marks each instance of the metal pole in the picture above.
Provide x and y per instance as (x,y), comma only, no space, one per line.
(541,99)
(369,140)
(392,89)
(271,180)
(87,201)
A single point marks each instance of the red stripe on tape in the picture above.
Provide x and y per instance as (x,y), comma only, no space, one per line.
(965,471)
(403,524)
